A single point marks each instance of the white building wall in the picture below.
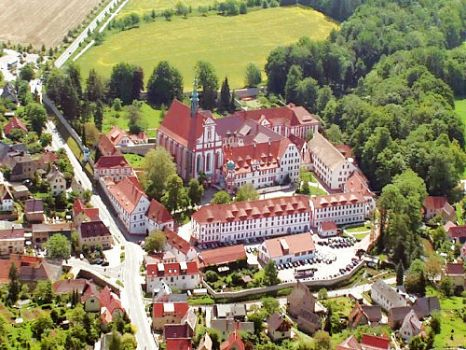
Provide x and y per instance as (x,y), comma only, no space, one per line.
(339,214)
(182,282)
(7,205)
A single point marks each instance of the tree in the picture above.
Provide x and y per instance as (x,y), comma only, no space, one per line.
(433,266)
(165,84)
(417,343)
(221,197)
(95,90)
(270,274)
(399,274)
(322,294)
(436,322)
(45,139)
(14,286)
(257,317)
(43,292)
(27,72)
(155,241)
(74,74)
(128,342)
(415,281)
(334,134)
(270,305)
(99,115)
(92,134)
(446,286)
(158,166)
(115,341)
(69,100)
(225,97)
(208,81)
(195,191)
(175,196)
(294,77)
(125,82)
(322,341)
(252,76)
(58,247)
(37,116)
(134,120)
(328,320)
(324,95)
(246,192)
(41,325)
(138,82)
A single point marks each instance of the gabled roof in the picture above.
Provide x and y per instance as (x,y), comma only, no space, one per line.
(337,199)
(177,242)
(34,205)
(79,207)
(115,135)
(111,162)
(93,229)
(172,269)
(221,256)
(179,125)
(438,203)
(176,331)
(179,344)
(277,322)
(358,183)
(328,226)
(411,321)
(454,269)
(70,285)
(109,300)
(233,342)
(457,232)
(424,306)
(295,244)
(179,309)
(14,123)
(127,193)
(324,150)
(5,192)
(54,173)
(106,147)
(13,233)
(158,213)
(373,342)
(397,314)
(388,293)
(350,343)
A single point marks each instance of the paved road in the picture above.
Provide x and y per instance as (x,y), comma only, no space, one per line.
(131,294)
(84,34)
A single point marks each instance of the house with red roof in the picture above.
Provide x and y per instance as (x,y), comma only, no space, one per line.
(105,147)
(116,167)
(438,205)
(222,256)
(287,249)
(179,275)
(14,123)
(368,342)
(158,217)
(131,203)
(168,313)
(251,219)
(177,336)
(457,233)
(327,229)
(81,213)
(120,138)
(457,274)
(179,247)
(95,233)
(110,306)
(233,342)
(12,241)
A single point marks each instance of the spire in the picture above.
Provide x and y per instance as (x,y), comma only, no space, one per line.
(194,99)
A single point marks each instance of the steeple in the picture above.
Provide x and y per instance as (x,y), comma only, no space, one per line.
(194,99)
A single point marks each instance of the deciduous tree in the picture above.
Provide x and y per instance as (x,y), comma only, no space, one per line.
(221,197)
(158,166)
(58,247)
(208,81)
(165,84)
(155,241)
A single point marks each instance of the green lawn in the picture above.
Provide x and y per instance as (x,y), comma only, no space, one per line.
(134,160)
(450,320)
(357,229)
(229,43)
(316,191)
(142,7)
(151,119)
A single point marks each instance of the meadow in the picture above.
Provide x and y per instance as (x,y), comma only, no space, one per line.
(141,7)
(229,43)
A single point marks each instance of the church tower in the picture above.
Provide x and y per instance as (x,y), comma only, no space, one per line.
(194,99)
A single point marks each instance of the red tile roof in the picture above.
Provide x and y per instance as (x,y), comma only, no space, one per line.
(179,125)
(13,233)
(224,255)
(289,245)
(109,300)
(233,342)
(91,213)
(172,269)
(111,162)
(454,269)
(176,331)
(298,141)
(94,229)
(14,123)
(179,344)
(328,226)
(358,183)
(350,343)
(252,210)
(115,135)
(268,154)
(346,150)
(177,242)
(128,193)
(375,342)
(457,232)
(179,309)
(435,202)
(68,286)
(34,205)
(106,146)
(29,268)
(48,157)
(158,213)
(337,199)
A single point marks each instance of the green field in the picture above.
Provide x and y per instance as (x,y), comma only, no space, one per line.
(142,7)
(229,43)
(460,108)
(150,117)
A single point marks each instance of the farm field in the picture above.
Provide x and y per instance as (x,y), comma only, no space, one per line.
(41,22)
(141,7)
(460,108)
(229,43)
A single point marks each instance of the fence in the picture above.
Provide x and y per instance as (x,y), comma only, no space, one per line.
(264,290)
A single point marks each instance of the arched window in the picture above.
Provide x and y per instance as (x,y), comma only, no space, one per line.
(199,164)
(208,165)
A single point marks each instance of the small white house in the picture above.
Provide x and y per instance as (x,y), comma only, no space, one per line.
(182,276)
(287,249)
(327,229)
(57,181)
(6,199)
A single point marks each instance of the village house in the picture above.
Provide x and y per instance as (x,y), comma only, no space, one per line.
(424,306)
(83,214)
(368,342)
(116,167)
(42,232)
(120,138)
(341,208)
(182,275)
(327,229)
(457,233)
(105,147)
(456,272)
(396,315)
(14,124)
(158,217)
(223,256)
(165,313)
(237,312)
(12,241)
(34,211)
(177,336)
(56,180)
(30,269)
(22,167)
(329,165)
(68,286)
(110,306)
(6,199)
(411,326)
(278,327)
(131,204)
(251,219)
(94,233)
(287,249)
(386,296)
(227,325)
(438,205)
(233,342)
(181,249)
(365,314)
(301,306)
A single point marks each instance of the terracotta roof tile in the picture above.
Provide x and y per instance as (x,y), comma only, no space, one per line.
(13,233)
(14,123)
(224,255)
(375,342)
(328,226)
(179,309)
(111,162)
(106,147)
(158,213)
(172,269)
(94,229)
(337,199)
(177,242)
(91,213)
(179,344)
(454,269)
(289,245)
(127,193)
